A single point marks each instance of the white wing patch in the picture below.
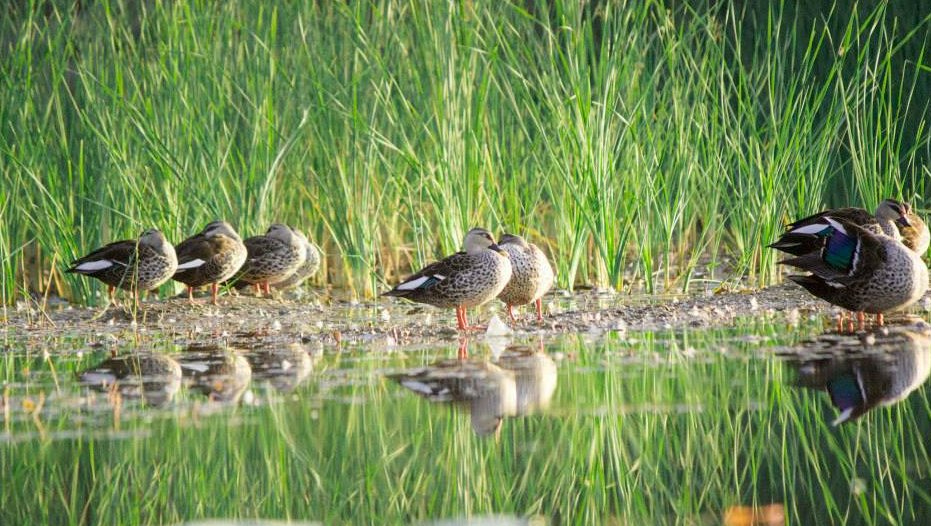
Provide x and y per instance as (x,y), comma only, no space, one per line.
(413,284)
(818,227)
(837,226)
(95,265)
(196,366)
(843,417)
(418,386)
(194,263)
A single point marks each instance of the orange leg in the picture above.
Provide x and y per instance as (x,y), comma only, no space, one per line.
(463,353)
(539,305)
(214,291)
(258,289)
(861,321)
(268,288)
(111,292)
(879,319)
(511,313)
(190,295)
(461,319)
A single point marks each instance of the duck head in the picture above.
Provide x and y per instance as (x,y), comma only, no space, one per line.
(479,239)
(221,228)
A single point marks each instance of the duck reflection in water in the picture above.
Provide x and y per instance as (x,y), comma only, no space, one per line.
(284,367)
(521,382)
(218,372)
(862,373)
(151,377)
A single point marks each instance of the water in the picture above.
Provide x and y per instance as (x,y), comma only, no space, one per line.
(711,426)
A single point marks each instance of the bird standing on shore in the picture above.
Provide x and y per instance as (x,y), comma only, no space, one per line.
(863,268)
(466,279)
(271,258)
(209,257)
(532,275)
(130,264)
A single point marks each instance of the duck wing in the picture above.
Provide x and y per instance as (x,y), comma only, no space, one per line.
(194,252)
(845,254)
(102,260)
(430,275)
(801,236)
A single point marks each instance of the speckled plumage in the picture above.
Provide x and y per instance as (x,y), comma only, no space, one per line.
(532,275)
(309,268)
(463,280)
(213,255)
(134,265)
(859,270)
(272,258)
(916,235)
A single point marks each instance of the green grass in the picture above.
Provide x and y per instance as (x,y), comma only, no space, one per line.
(635,139)
(654,429)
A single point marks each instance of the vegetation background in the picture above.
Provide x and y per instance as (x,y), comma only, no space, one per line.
(638,140)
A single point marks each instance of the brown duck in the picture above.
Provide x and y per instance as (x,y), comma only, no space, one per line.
(271,258)
(131,264)
(210,257)
(463,280)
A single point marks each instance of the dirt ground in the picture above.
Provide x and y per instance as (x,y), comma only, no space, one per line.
(249,321)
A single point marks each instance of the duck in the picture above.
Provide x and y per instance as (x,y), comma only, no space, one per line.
(532,275)
(271,258)
(893,218)
(130,264)
(209,257)
(466,279)
(309,268)
(854,267)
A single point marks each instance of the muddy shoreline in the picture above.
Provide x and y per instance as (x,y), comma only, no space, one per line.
(250,321)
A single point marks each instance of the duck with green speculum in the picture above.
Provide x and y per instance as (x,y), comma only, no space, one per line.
(271,258)
(532,275)
(132,264)
(210,257)
(853,266)
(893,218)
(466,279)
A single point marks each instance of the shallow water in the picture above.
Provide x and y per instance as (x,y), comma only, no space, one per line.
(711,426)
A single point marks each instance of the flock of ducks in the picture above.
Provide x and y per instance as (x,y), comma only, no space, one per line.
(516,271)
(863,262)
(281,258)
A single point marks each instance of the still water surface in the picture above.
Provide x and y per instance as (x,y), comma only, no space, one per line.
(759,424)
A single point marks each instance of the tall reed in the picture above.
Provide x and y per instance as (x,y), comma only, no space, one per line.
(637,141)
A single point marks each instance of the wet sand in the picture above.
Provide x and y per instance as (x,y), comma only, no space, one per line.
(248,321)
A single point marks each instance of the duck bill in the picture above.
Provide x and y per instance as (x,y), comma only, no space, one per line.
(498,249)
